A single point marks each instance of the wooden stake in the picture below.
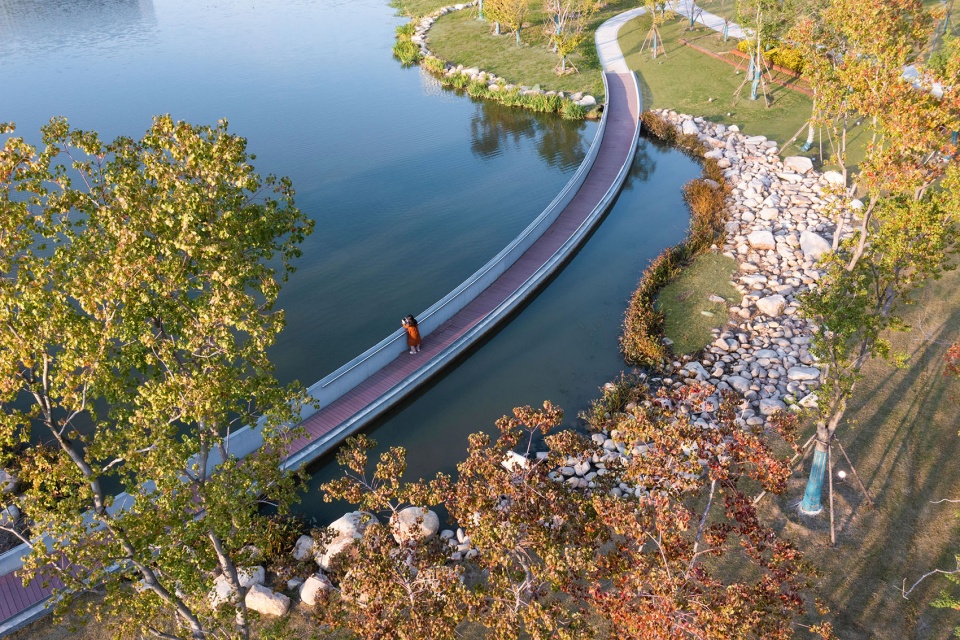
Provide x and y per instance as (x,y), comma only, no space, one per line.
(856,475)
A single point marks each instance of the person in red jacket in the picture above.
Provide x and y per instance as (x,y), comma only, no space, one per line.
(413,334)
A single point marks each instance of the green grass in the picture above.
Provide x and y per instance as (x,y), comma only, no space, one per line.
(901,433)
(459,37)
(417,8)
(684,300)
(692,82)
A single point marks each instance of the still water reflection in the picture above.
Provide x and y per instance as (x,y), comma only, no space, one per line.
(413,187)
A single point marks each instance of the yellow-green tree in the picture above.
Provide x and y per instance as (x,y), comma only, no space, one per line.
(136,308)
(508,14)
(568,24)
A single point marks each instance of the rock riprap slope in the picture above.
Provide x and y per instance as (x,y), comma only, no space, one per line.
(777,230)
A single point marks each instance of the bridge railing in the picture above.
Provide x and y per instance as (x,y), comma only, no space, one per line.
(369,362)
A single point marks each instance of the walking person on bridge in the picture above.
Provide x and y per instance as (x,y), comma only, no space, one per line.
(413,334)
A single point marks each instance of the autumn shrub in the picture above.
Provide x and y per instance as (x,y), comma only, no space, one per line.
(642,338)
(778,53)
(787,57)
(615,399)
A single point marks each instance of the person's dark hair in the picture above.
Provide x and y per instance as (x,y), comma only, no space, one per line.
(410,320)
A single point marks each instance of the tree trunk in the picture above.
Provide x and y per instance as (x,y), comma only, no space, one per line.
(810,505)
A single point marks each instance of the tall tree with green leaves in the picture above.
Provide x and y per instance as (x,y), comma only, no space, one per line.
(905,231)
(137,304)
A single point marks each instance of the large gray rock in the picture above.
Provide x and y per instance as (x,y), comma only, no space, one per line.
(772,305)
(689,127)
(762,241)
(222,591)
(346,529)
(769,406)
(267,602)
(249,576)
(313,589)
(813,245)
(414,523)
(803,373)
(303,549)
(739,384)
(799,164)
(696,370)
(587,101)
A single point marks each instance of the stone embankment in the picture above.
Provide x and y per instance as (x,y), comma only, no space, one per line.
(779,224)
(494,83)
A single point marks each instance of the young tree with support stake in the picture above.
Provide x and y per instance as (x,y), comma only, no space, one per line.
(569,19)
(765,21)
(906,230)
(137,297)
(509,14)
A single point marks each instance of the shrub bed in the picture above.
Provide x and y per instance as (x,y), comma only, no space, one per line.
(642,340)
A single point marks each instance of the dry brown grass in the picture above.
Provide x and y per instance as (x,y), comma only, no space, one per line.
(902,437)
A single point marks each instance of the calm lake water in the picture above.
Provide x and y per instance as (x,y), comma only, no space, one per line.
(412,187)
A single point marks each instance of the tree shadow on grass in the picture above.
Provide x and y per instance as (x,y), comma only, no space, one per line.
(902,437)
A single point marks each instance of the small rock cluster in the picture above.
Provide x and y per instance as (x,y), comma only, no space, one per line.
(407,524)
(777,230)
(494,83)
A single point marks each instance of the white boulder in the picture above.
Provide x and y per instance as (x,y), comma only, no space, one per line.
(739,384)
(346,529)
(414,523)
(813,245)
(689,127)
(803,373)
(769,406)
(222,591)
(772,305)
(799,164)
(267,602)
(313,589)
(833,177)
(762,241)
(8,481)
(513,461)
(303,549)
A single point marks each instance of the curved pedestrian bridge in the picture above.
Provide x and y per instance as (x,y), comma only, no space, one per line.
(370,384)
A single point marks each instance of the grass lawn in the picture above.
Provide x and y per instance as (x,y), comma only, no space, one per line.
(901,434)
(461,38)
(692,82)
(685,302)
